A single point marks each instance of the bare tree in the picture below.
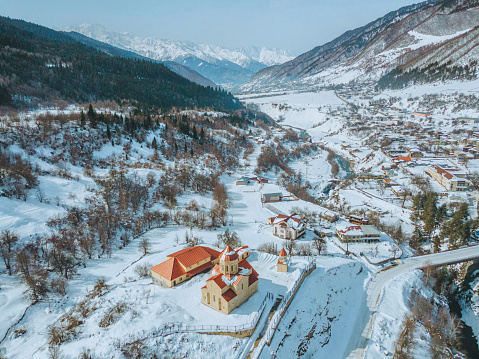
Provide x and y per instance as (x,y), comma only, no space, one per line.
(8,239)
(32,274)
(289,245)
(144,245)
(319,244)
(220,195)
(229,239)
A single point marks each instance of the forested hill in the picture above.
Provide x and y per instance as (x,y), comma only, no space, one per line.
(39,65)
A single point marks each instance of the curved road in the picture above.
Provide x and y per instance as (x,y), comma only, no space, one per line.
(358,345)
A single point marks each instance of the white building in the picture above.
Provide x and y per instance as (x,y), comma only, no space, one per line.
(348,232)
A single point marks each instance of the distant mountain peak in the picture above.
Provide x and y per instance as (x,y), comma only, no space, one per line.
(225,67)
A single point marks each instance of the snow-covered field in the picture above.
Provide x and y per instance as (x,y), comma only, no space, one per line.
(321,318)
(323,315)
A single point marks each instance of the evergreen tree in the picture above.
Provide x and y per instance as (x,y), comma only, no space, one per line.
(5,97)
(193,133)
(154,144)
(108,132)
(92,116)
(82,119)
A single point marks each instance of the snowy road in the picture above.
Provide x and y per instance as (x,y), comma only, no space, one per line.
(378,283)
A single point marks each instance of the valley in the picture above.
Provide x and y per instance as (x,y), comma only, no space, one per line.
(166,199)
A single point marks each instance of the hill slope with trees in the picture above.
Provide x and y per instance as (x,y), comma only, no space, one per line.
(39,65)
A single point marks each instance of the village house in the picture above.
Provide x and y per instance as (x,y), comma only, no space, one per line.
(451,179)
(397,190)
(468,120)
(422,114)
(398,160)
(271,197)
(414,152)
(371,175)
(243,181)
(348,232)
(282,265)
(288,227)
(357,220)
(232,282)
(183,265)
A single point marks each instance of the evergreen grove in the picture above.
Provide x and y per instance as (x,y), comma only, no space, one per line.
(40,65)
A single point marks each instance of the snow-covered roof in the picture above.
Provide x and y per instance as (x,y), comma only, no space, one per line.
(349,229)
(293,221)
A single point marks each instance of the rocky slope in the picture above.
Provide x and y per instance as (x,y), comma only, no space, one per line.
(223,66)
(415,36)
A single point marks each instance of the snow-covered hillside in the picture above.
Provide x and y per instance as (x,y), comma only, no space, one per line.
(223,66)
(414,37)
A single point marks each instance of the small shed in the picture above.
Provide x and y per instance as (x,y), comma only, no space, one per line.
(272,197)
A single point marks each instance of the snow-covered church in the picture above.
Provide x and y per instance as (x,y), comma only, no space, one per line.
(232,281)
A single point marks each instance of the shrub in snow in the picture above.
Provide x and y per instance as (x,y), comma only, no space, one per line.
(143,270)
(113,314)
(133,350)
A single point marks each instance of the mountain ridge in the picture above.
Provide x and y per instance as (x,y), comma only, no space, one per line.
(39,65)
(223,66)
(368,53)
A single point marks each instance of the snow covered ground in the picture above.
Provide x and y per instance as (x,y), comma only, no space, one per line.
(321,319)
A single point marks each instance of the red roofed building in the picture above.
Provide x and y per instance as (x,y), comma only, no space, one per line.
(233,280)
(183,265)
(401,159)
(451,179)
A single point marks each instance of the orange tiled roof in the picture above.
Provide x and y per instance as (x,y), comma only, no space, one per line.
(252,278)
(215,270)
(218,279)
(229,257)
(200,269)
(245,264)
(406,159)
(228,295)
(238,279)
(443,172)
(169,269)
(192,255)
(283,253)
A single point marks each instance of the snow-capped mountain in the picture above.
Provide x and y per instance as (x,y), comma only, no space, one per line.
(181,70)
(433,33)
(223,66)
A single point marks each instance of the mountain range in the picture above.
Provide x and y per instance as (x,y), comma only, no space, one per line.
(223,66)
(436,37)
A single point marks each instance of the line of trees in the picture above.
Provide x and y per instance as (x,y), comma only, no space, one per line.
(398,78)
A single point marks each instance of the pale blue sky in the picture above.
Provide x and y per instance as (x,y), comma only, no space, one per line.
(296,25)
